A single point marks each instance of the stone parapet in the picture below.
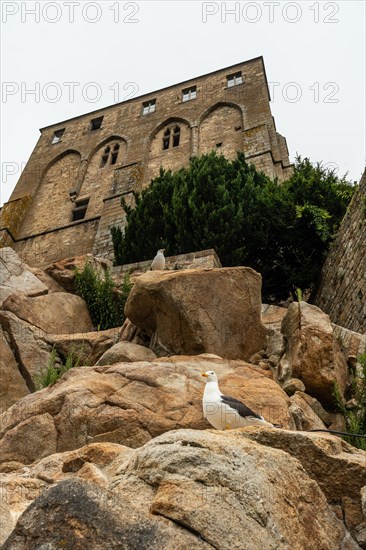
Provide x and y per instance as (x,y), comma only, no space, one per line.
(194,260)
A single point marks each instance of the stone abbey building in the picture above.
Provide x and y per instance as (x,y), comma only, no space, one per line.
(69,192)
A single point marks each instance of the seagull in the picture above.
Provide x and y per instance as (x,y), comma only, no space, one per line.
(226,413)
(158,262)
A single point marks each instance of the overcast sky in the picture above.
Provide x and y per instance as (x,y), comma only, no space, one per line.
(314,53)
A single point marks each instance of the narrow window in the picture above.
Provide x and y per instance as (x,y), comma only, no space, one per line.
(103,161)
(105,157)
(176,136)
(234,79)
(96,123)
(115,154)
(79,210)
(114,158)
(57,136)
(189,93)
(149,107)
(166,139)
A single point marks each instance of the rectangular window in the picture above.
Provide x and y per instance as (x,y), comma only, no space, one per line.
(189,93)
(96,123)
(234,79)
(57,136)
(79,210)
(149,107)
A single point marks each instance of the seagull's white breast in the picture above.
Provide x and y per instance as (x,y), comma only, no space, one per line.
(158,262)
(220,415)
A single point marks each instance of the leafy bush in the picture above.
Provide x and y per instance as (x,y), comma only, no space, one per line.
(104,299)
(282,231)
(54,371)
(356,417)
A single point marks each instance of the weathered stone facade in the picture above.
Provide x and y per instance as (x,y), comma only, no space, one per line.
(69,193)
(342,291)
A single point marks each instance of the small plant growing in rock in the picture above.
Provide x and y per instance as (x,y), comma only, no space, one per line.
(299,294)
(54,370)
(105,300)
(356,417)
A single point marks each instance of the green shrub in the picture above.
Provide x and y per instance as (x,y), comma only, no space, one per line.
(104,299)
(282,231)
(117,238)
(356,417)
(53,371)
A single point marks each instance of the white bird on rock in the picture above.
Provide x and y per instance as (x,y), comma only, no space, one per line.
(226,413)
(158,262)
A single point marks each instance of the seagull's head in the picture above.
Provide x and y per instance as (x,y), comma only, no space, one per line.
(162,250)
(210,376)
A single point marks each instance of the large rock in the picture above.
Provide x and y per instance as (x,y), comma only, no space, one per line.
(13,386)
(353,344)
(51,284)
(312,352)
(15,276)
(317,408)
(20,488)
(33,438)
(126,352)
(338,468)
(272,316)
(185,489)
(63,271)
(129,403)
(303,415)
(30,345)
(58,312)
(198,311)
(89,345)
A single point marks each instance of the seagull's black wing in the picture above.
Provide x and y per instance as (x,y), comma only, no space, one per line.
(242,409)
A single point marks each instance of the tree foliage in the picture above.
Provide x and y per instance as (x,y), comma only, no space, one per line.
(281,230)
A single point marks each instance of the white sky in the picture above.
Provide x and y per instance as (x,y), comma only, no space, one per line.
(314,53)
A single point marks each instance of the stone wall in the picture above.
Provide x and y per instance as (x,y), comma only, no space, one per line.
(342,291)
(128,149)
(46,248)
(12,215)
(194,260)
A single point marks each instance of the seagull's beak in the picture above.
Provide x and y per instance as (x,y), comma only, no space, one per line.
(204,374)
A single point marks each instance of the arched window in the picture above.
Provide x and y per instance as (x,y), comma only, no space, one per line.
(176,136)
(171,139)
(105,157)
(166,139)
(114,155)
(109,156)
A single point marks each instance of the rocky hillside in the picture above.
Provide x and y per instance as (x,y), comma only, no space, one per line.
(117,454)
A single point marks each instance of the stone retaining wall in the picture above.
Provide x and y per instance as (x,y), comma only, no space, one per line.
(194,260)
(342,291)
